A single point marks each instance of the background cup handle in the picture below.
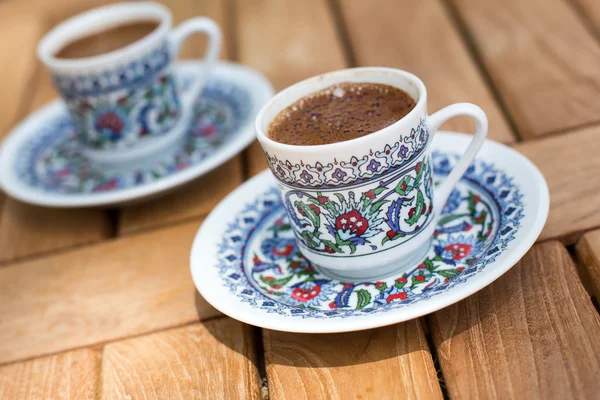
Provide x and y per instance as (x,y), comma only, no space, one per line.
(434,122)
(179,34)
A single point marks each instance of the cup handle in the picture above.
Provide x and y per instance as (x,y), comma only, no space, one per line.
(434,122)
(179,35)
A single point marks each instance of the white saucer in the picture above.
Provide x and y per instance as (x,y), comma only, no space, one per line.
(245,261)
(42,164)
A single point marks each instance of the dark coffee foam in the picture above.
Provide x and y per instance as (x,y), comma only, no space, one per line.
(341,112)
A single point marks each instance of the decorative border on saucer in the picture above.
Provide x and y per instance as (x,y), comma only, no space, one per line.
(358,169)
(499,187)
(126,76)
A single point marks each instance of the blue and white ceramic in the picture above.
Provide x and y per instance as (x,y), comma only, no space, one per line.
(128,104)
(43,163)
(365,207)
(246,260)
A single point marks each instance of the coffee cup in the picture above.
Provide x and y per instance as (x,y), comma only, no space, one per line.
(365,207)
(127,104)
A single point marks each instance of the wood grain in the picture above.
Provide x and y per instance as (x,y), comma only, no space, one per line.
(541,58)
(591,8)
(115,289)
(287,42)
(214,360)
(381,363)
(17,66)
(424,41)
(67,376)
(532,334)
(588,253)
(198,198)
(570,165)
(192,201)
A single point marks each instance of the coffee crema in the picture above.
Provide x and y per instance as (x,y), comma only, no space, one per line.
(108,40)
(340,112)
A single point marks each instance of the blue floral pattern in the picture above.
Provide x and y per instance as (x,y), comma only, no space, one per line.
(261,264)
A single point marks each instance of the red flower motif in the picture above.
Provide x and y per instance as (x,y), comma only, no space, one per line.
(418,167)
(285,251)
(467,228)
(346,286)
(420,278)
(352,221)
(301,211)
(479,219)
(106,186)
(392,297)
(208,131)
(322,199)
(411,212)
(458,250)
(391,233)
(430,208)
(316,209)
(332,305)
(460,269)
(370,194)
(404,185)
(305,294)
(256,260)
(402,279)
(379,284)
(279,222)
(421,266)
(424,209)
(476,199)
(329,249)
(111,121)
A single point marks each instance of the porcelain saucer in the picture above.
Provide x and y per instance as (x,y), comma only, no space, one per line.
(245,261)
(42,164)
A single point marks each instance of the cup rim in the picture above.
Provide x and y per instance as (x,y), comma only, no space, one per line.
(338,146)
(97,20)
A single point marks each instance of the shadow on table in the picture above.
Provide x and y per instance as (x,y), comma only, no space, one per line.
(325,350)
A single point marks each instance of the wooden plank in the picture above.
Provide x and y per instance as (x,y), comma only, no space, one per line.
(298,41)
(212,360)
(541,58)
(381,363)
(571,167)
(588,253)
(73,375)
(591,8)
(423,40)
(198,198)
(532,334)
(115,289)
(193,201)
(17,66)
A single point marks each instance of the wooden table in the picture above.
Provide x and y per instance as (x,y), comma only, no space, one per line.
(100,303)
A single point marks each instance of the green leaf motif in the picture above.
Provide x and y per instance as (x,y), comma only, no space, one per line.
(451,217)
(405,181)
(429,265)
(364,298)
(376,206)
(276,282)
(378,190)
(314,219)
(419,175)
(448,273)
(418,209)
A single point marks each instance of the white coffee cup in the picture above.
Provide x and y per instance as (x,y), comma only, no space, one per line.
(365,207)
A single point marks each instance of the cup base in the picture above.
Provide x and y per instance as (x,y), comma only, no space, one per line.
(394,268)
